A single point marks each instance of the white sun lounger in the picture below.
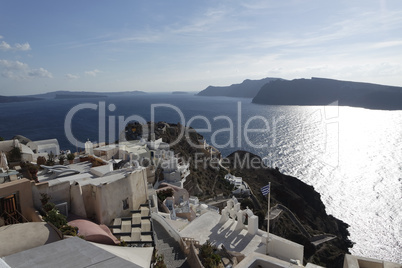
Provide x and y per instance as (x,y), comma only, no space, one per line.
(58,172)
(55,167)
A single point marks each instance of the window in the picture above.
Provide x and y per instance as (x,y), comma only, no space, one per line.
(125,204)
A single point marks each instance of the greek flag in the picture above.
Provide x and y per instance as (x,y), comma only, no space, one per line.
(265,190)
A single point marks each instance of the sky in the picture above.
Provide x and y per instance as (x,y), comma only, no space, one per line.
(155,46)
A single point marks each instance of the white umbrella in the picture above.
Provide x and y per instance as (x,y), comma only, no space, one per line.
(3,161)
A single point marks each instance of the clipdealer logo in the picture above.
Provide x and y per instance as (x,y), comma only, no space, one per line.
(323,121)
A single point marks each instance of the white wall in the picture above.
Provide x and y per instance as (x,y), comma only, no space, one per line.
(77,200)
(109,197)
(284,249)
(6,146)
(59,193)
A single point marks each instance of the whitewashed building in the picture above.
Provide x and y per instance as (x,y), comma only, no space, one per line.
(45,146)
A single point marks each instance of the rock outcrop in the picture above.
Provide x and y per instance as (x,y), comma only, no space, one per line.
(247,89)
(321,91)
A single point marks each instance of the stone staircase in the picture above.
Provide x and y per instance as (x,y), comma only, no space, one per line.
(135,230)
(169,248)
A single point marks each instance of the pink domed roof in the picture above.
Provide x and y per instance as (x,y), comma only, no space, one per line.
(94,232)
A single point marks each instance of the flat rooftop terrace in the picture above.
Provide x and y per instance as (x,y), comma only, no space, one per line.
(207,227)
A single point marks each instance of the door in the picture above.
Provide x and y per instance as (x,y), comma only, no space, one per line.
(10,210)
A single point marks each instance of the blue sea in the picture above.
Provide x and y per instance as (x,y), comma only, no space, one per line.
(352,156)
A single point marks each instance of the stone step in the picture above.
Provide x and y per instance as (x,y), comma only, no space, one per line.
(117,222)
(146,238)
(136,219)
(166,245)
(144,211)
(126,226)
(116,230)
(136,234)
(145,226)
(125,238)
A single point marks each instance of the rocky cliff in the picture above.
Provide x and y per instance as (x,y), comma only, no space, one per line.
(303,202)
(247,89)
(321,91)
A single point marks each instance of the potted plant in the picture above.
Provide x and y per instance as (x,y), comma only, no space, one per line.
(70,158)
(41,160)
(50,159)
(61,159)
(33,170)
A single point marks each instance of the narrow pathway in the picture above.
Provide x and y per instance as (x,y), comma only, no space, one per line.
(295,220)
(166,245)
(323,238)
(315,240)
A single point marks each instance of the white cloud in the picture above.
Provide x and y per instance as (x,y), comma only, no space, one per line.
(18,70)
(22,47)
(92,73)
(13,65)
(5,46)
(40,73)
(17,47)
(72,76)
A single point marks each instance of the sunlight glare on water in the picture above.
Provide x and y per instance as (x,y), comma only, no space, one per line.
(354,160)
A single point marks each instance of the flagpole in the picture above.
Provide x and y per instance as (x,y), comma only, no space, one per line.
(269,203)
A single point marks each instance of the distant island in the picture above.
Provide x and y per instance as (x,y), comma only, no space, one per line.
(62,94)
(78,96)
(8,99)
(314,91)
(68,95)
(247,89)
(180,92)
(321,91)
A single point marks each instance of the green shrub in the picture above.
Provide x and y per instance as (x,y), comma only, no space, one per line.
(48,207)
(208,255)
(123,243)
(14,154)
(69,230)
(56,218)
(160,261)
(163,194)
